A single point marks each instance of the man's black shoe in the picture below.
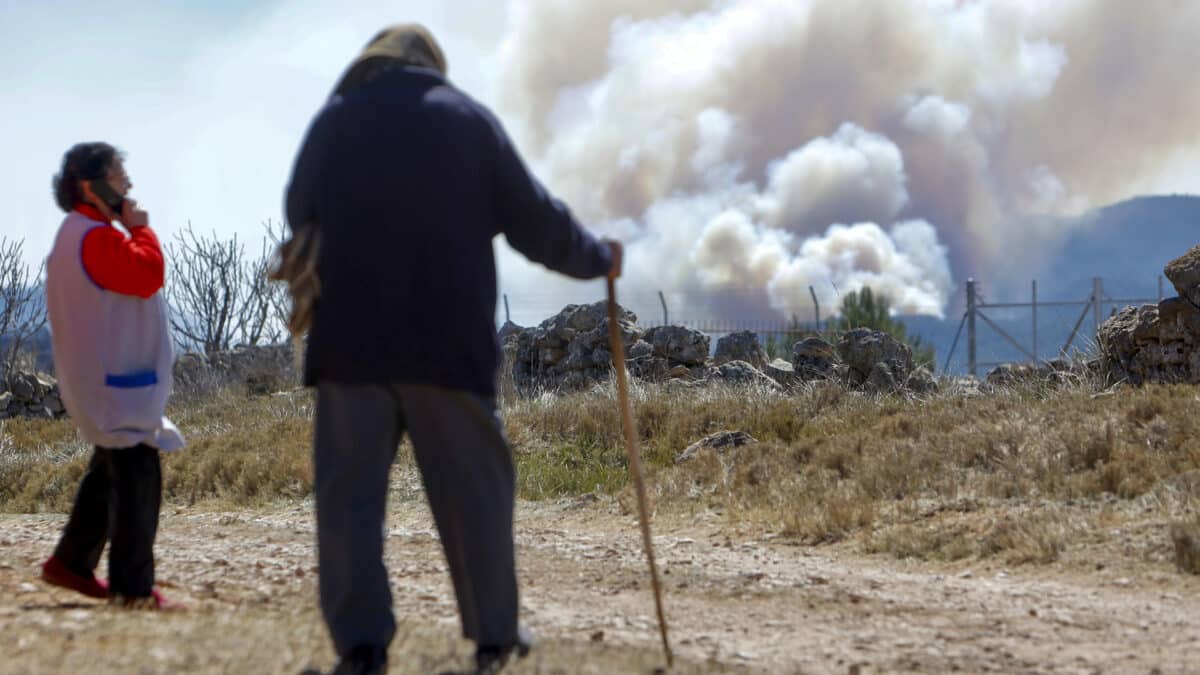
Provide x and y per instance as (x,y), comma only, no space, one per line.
(491,659)
(363,660)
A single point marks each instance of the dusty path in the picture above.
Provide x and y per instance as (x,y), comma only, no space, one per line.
(736,604)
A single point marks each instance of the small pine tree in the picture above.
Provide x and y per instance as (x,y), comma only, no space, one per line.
(778,345)
(865,309)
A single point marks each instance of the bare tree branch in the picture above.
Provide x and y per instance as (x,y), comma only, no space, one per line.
(219,297)
(22,305)
(277,291)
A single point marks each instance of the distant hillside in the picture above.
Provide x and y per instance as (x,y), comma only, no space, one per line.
(1127,244)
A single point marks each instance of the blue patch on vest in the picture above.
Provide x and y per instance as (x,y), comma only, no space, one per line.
(132,380)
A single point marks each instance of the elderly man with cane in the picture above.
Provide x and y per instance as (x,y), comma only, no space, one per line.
(398,190)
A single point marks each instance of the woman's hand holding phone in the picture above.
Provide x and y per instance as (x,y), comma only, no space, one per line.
(131,216)
(114,205)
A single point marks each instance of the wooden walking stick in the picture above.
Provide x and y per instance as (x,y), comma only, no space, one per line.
(635,459)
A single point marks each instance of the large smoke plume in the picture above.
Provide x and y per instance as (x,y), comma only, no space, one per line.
(749,149)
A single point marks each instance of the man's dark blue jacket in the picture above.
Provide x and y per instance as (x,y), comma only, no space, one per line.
(409,181)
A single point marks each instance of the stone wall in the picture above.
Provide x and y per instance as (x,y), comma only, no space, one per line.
(261,369)
(31,395)
(1158,343)
(863,359)
(569,351)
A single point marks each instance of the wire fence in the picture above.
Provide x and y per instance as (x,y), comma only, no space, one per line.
(1094,305)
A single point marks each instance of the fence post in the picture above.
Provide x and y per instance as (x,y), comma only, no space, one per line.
(1097,304)
(507,317)
(662,298)
(1035,324)
(971,361)
(816,306)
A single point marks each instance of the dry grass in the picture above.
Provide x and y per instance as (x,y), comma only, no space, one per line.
(952,476)
(241,451)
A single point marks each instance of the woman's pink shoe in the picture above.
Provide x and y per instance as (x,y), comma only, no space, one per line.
(156,600)
(55,573)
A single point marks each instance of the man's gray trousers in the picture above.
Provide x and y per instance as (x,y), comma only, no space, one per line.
(467,468)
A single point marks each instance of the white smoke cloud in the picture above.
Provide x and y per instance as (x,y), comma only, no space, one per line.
(853,175)
(747,149)
(937,118)
(719,256)
(905,264)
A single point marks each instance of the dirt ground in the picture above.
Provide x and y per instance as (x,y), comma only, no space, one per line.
(736,603)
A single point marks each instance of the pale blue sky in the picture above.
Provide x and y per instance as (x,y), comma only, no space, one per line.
(209,100)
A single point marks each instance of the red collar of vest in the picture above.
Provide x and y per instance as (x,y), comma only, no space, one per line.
(92,212)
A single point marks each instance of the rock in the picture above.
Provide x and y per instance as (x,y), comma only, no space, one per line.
(45,383)
(740,372)
(1178,321)
(680,371)
(782,365)
(37,411)
(575,320)
(721,442)
(509,329)
(640,350)
(882,378)
(862,348)
(261,369)
(782,372)
(1153,343)
(6,399)
(921,381)
(679,345)
(813,359)
(570,350)
(651,368)
(1184,274)
(191,369)
(1009,374)
(1118,338)
(54,404)
(740,346)
(875,359)
(551,356)
(23,386)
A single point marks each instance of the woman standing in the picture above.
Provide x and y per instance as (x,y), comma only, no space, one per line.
(113,359)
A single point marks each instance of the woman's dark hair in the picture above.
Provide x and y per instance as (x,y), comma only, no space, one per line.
(84,161)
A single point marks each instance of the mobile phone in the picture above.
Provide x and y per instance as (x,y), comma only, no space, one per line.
(109,196)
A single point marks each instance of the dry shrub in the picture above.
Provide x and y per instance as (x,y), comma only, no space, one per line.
(41,462)
(946,541)
(1016,536)
(243,450)
(1024,538)
(1186,537)
(830,517)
